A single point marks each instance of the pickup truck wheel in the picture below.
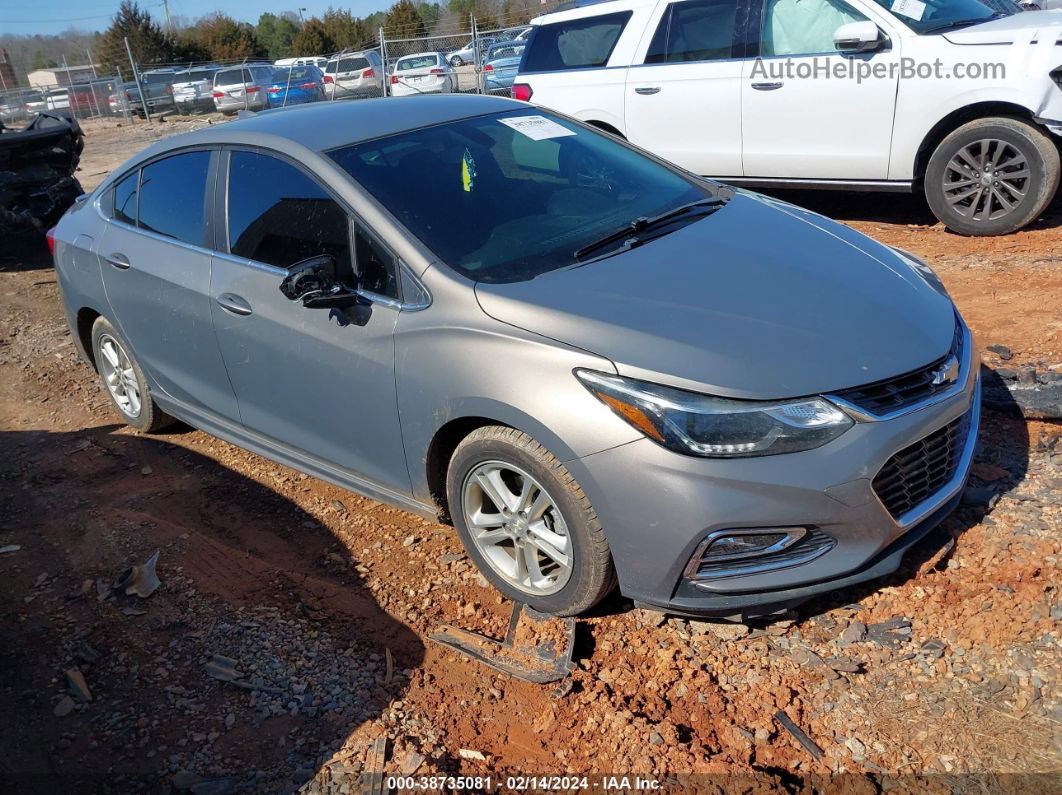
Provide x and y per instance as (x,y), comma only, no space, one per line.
(992,176)
(123,380)
(526,523)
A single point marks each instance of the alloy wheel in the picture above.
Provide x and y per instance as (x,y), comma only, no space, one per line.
(119,376)
(517,527)
(986,180)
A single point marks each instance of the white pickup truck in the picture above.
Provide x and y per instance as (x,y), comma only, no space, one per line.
(961,99)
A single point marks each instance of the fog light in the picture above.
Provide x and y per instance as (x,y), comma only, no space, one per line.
(736,544)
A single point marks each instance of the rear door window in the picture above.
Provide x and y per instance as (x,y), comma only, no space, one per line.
(697,30)
(575,44)
(173,197)
(125,193)
(279,216)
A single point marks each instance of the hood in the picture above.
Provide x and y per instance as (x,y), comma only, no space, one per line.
(1006,30)
(758,300)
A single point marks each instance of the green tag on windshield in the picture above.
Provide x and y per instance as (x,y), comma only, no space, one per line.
(468,171)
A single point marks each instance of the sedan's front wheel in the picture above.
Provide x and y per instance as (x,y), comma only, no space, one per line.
(992,176)
(527,524)
(123,380)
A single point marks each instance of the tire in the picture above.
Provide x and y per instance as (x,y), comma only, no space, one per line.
(456,61)
(149,417)
(997,201)
(570,517)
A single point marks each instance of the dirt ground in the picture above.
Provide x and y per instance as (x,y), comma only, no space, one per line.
(319,603)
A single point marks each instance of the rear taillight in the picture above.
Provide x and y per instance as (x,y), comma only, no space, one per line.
(522,92)
(438,71)
(275,90)
(394,80)
(51,241)
(488,67)
(218,94)
(251,90)
(368,73)
(169,89)
(328,79)
(308,86)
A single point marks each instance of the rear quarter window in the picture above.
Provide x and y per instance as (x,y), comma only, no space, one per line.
(574,44)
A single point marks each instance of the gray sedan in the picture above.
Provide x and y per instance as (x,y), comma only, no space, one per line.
(599,368)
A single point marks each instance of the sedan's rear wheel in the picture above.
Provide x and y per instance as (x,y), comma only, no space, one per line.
(456,61)
(992,176)
(123,380)
(526,523)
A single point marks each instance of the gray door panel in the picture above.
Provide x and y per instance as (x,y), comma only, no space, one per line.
(158,290)
(308,378)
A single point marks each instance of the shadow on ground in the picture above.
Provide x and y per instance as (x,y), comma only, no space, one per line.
(246,574)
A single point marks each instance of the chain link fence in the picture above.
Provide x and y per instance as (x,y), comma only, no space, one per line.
(376,68)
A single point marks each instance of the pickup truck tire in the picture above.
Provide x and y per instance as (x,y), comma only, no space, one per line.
(544,512)
(992,176)
(123,381)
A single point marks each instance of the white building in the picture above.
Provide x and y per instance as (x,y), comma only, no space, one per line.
(61,76)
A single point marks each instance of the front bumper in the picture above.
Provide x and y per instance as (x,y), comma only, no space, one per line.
(657,507)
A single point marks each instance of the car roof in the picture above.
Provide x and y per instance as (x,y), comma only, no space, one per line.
(320,126)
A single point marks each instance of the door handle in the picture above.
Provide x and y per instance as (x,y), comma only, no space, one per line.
(767,86)
(234,304)
(646,91)
(120,261)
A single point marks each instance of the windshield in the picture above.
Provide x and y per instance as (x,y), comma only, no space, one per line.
(510,196)
(939,15)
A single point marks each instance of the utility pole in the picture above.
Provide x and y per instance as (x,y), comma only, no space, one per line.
(166,9)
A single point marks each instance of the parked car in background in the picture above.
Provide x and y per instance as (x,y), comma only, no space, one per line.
(126,99)
(57,99)
(158,88)
(193,89)
(242,88)
(35,102)
(513,34)
(307,60)
(467,54)
(294,85)
(500,66)
(651,424)
(422,73)
(354,75)
(689,81)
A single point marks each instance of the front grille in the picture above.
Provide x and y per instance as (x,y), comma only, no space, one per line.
(922,469)
(902,391)
(810,546)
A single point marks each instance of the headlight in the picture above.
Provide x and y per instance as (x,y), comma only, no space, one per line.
(922,269)
(695,424)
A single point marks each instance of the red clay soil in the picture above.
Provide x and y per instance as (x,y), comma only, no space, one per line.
(325,600)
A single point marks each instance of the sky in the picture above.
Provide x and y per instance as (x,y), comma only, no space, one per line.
(55,16)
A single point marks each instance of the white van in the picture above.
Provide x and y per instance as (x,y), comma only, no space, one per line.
(961,99)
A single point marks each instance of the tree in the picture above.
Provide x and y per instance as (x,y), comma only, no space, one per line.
(275,34)
(313,39)
(40,61)
(225,38)
(403,21)
(146,39)
(345,30)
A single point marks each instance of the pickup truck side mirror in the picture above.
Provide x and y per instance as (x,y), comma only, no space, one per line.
(313,282)
(862,36)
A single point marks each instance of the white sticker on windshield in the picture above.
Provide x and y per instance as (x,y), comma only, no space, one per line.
(912,9)
(537,128)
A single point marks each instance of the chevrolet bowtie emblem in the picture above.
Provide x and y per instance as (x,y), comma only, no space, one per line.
(947,373)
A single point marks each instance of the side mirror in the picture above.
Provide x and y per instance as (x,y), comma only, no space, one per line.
(857,37)
(313,282)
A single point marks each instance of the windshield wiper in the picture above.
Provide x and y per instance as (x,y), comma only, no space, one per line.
(961,23)
(632,233)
